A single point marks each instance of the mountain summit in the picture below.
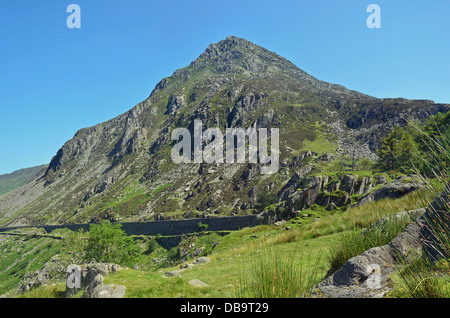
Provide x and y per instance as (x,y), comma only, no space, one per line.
(122,170)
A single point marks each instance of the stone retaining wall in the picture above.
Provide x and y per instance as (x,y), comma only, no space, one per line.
(166,228)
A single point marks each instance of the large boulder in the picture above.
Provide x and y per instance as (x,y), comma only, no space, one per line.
(108,291)
(90,277)
(302,192)
(96,289)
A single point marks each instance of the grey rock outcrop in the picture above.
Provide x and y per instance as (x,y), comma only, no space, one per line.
(175,102)
(108,291)
(366,275)
(51,270)
(302,191)
(91,281)
(395,189)
(96,289)
(291,185)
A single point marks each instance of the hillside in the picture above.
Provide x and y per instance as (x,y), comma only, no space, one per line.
(121,170)
(16,179)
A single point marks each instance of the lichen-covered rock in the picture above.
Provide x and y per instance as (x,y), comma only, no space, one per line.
(91,276)
(108,291)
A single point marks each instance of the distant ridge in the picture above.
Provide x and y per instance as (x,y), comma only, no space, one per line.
(18,178)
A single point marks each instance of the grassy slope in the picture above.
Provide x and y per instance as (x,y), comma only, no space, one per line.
(302,250)
(233,260)
(16,179)
(22,254)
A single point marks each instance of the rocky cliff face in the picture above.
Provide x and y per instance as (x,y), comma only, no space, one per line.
(332,192)
(122,169)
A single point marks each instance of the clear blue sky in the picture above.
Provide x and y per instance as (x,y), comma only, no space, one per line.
(55,80)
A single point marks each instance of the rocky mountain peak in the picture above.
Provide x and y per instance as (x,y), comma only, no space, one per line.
(240,56)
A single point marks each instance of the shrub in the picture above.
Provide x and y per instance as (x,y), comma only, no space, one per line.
(108,243)
(202,227)
(265,198)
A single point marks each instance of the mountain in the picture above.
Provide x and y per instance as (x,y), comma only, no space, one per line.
(16,179)
(122,169)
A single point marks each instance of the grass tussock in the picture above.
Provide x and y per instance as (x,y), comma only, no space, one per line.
(422,279)
(271,274)
(46,291)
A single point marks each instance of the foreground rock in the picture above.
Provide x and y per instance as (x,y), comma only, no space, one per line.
(96,289)
(91,281)
(367,275)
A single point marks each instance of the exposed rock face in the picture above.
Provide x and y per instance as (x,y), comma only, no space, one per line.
(395,189)
(51,270)
(301,193)
(108,291)
(175,102)
(323,190)
(367,275)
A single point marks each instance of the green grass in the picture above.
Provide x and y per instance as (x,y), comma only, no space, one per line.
(422,279)
(321,144)
(271,272)
(19,255)
(235,258)
(353,219)
(149,284)
(46,291)
(263,261)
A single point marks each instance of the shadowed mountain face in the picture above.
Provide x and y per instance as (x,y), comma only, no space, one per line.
(122,169)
